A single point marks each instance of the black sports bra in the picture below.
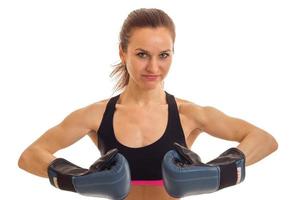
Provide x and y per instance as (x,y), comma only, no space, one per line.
(144,162)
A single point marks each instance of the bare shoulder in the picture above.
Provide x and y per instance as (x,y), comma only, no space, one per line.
(200,115)
(90,116)
(95,112)
(97,107)
(192,111)
(187,107)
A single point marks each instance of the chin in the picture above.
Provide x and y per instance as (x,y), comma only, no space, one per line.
(152,87)
(148,87)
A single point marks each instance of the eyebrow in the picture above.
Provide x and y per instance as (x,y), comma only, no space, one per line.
(148,51)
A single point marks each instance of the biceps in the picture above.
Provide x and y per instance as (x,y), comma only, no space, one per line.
(220,125)
(58,137)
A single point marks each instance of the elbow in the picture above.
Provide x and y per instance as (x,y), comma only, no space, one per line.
(266,141)
(269,142)
(273,143)
(22,160)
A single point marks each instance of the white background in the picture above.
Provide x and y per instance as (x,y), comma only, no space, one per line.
(238,56)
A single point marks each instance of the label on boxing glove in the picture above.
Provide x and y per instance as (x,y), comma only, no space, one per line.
(239,175)
(55,182)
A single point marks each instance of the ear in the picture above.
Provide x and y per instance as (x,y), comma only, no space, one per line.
(122,55)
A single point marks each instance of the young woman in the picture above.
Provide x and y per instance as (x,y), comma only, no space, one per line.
(144,121)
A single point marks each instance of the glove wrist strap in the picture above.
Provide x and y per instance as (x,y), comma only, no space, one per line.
(60,173)
(228,175)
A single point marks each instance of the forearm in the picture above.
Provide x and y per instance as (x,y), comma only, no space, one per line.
(35,160)
(257,145)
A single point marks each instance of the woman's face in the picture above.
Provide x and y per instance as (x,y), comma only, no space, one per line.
(148,57)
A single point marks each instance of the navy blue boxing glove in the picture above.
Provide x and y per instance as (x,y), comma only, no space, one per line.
(184,174)
(109,176)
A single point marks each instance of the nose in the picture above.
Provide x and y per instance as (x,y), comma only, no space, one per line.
(153,66)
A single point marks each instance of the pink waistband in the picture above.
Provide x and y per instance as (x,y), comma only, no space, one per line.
(152,182)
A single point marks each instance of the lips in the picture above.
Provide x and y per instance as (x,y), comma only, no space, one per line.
(151,77)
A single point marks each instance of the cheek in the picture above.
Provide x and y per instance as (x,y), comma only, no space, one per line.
(166,66)
(165,71)
(135,67)
(136,63)
(141,64)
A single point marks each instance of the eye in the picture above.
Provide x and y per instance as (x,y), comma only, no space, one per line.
(141,55)
(164,55)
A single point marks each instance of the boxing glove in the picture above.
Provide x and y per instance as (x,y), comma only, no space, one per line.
(184,174)
(108,177)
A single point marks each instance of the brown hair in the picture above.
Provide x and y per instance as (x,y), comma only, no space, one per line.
(140,18)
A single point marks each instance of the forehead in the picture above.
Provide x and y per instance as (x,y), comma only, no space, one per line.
(151,39)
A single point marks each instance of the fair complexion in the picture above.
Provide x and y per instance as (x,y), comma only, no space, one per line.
(254,142)
(149,53)
(37,156)
(148,59)
(145,56)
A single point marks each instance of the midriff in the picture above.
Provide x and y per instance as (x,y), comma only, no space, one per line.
(145,192)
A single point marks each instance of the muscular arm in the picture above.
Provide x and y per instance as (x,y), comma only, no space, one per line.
(254,142)
(36,158)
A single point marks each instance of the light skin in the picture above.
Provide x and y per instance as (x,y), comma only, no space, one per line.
(153,57)
(149,53)
(255,143)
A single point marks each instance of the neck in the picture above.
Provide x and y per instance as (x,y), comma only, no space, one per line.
(136,96)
